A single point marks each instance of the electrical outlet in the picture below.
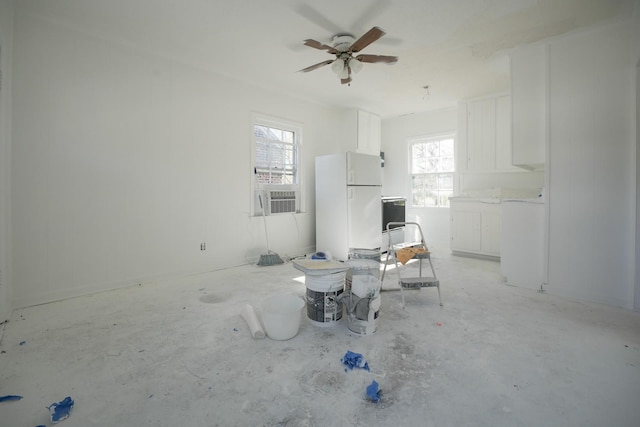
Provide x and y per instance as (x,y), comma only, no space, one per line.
(203,246)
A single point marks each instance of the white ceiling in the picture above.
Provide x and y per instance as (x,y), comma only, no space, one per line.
(457,47)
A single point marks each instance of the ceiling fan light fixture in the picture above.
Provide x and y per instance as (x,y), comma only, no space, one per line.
(355,65)
(337,66)
(344,74)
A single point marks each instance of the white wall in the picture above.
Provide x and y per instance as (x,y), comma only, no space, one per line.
(635,55)
(396,179)
(592,166)
(6,29)
(636,305)
(123,163)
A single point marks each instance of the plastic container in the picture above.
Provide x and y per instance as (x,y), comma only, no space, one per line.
(364,323)
(281,315)
(359,267)
(363,281)
(372,254)
(323,306)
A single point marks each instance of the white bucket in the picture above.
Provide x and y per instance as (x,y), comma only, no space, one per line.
(323,307)
(368,326)
(360,267)
(373,254)
(281,315)
(364,286)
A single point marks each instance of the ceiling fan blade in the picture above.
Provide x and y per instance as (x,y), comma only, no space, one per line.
(317,18)
(370,14)
(318,65)
(369,37)
(377,58)
(317,45)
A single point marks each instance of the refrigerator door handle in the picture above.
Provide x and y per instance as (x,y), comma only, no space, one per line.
(350,177)
(349,193)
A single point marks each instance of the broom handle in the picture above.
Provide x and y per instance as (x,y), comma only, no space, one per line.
(264,218)
(264,214)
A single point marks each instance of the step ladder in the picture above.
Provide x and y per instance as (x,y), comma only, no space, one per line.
(410,250)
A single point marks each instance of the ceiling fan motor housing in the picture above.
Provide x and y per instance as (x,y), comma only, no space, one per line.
(343,41)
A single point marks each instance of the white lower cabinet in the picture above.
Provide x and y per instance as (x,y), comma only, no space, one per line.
(466,230)
(476,227)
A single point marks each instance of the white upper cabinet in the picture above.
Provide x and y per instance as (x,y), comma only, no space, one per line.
(362,132)
(529,106)
(484,131)
(369,133)
(503,132)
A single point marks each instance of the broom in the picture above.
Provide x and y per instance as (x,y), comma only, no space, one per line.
(270,258)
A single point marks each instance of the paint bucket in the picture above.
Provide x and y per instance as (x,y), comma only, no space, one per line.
(363,304)
(323,307)
(373,254)
(360,267)
(281,315)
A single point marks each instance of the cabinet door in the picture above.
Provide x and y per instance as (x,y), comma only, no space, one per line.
(375,134)
(368,133)
(461,146)
(465,231)
(481,135)
(503,133)
(491,231)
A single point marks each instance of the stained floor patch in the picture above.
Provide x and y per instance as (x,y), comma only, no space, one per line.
(214,298)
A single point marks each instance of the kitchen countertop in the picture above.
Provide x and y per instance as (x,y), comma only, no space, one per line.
(499,195)
(494,200)
(526,200)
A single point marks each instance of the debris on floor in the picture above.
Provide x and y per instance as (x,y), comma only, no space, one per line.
(249,315)
(354,360)
(60,411)
(373,391)
(10,398)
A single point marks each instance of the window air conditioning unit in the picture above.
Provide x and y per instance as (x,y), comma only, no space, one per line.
(282,201)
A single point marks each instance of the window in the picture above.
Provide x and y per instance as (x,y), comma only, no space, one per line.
(432,168)
(276,155)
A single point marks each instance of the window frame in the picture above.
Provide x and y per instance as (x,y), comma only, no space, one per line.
(411,141)
(259,119)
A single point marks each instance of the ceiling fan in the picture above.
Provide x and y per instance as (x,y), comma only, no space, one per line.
(344,47)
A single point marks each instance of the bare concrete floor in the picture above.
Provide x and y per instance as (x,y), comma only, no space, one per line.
(177,352)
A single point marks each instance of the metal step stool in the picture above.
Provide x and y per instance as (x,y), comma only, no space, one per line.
(422,253)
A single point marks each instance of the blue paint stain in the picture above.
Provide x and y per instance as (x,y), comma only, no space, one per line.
(319,255)
(61,410)
(355,360)
(23,342)
(373,392)
(10,398)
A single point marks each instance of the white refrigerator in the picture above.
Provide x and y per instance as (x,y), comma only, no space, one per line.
(348,203)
